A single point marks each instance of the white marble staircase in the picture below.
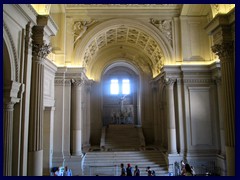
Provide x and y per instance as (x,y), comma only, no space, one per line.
(122,144)
(108,163)
(122,138)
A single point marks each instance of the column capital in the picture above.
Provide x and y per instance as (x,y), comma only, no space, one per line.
(218,81)
(224,51)
(169,81)
(77,82)
(41,50)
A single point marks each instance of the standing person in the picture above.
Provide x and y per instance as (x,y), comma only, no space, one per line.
(68,172)
(188,170)
(150,172)
(123,170)
(129,170)
(136,171)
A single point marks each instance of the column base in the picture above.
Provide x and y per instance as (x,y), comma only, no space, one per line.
(35,163)
(230,156)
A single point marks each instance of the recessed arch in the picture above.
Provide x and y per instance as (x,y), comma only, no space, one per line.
(121,69)
(143,36)
(10,54)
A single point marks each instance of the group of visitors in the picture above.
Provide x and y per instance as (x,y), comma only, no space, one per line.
(61,171)
(129,172)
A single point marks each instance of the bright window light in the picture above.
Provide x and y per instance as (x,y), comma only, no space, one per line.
(125,86)
(114,87)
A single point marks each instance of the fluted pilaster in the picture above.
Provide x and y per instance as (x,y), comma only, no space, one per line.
(10,98)
(39,52)
(221,114)
(172,146)
(225,52)
(77,117)
(8,138)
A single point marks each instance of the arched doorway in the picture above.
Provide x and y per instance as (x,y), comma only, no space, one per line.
(120,94)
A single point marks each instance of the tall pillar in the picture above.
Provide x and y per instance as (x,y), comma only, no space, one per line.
(87,120)
(10,98)
(76,117)
(35,146)
(225,53)
(172,143)
(221,122)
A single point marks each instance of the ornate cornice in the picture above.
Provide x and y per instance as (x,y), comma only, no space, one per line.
(224,51)
(165,26)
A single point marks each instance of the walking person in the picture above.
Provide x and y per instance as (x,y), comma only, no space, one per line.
(136,171)
(129,170)
(123,170)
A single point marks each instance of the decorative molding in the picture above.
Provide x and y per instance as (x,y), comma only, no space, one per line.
(80,27)
(198,81)
(121,5)
(13,50)
(165,26)
(32,9)
(224,51)
(9,106)
(28,37)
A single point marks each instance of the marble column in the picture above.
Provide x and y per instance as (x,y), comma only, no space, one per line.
(35,147)
(172,146)
(10,98)
(77,117)
(225,52)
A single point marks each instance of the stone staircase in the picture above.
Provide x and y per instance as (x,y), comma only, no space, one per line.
(108,163)
(122,144)
(123,138)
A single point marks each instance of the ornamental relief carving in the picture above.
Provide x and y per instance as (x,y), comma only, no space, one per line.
(165,26)
(80,27)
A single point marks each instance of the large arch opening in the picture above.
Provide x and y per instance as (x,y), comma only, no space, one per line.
(120,94)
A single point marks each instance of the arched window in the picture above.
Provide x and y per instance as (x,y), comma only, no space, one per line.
(119,86)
